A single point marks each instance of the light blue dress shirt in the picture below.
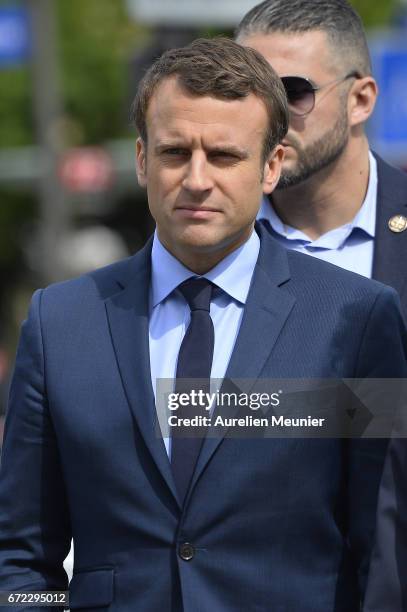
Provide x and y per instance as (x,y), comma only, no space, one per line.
(170,313)
(349,246)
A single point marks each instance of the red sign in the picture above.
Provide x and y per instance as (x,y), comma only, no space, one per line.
(86,170)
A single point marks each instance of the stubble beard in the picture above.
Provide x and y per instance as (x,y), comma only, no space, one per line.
(318,155)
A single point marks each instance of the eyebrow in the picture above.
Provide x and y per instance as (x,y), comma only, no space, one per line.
(228,148)
(218,148)
(174,144)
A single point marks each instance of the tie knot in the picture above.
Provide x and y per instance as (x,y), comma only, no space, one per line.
(197,292)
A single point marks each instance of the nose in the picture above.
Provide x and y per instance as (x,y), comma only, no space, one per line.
(197,177)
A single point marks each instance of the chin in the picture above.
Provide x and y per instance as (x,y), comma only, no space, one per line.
(199,236)
(201,246)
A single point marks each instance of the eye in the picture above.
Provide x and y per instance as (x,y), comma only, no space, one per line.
(224,157)
(175,152)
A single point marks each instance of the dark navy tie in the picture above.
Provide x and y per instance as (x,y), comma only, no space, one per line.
(194,362)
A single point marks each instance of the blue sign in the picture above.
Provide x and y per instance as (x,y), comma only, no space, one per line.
(388,126)
(14,36)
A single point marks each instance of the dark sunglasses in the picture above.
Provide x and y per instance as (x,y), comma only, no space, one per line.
(301,92)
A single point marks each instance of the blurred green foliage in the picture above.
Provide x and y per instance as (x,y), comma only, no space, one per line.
(15,109)
(375,13)
(96,38)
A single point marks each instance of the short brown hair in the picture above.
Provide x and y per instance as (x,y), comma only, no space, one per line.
(221,68)
(337,18)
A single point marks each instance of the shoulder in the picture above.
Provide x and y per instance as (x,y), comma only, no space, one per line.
(326,281)
(88,291)
(367,311)
(102,282)
(305,267)
(328,288)
(302,270)
(287,265)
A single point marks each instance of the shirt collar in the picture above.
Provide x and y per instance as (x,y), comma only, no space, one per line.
(233,274)
(365,218)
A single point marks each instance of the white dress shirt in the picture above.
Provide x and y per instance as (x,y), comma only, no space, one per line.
(170,313)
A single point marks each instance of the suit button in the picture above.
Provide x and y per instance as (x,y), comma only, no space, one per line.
(186,551)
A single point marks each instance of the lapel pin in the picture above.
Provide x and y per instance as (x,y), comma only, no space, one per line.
(398,223)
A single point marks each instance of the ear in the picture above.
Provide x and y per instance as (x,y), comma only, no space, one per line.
(141,162)
(362,100)
(272,169)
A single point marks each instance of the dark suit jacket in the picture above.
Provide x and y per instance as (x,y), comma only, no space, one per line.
(387,588)
(387,584)
(276,524)
(390,251)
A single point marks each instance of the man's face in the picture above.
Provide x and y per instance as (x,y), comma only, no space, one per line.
(316,140)
(204,172)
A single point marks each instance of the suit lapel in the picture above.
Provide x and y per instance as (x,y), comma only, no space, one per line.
(266,311)
(390,254)
(128,315)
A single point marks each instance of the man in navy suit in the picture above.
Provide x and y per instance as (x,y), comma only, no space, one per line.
(336,199)
(276,524)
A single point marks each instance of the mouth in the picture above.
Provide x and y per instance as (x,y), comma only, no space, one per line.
(197,212)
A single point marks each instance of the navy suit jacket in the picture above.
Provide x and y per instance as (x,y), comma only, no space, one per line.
(276,524)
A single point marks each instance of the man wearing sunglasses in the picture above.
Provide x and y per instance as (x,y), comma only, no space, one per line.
(336,199)
(339,201)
